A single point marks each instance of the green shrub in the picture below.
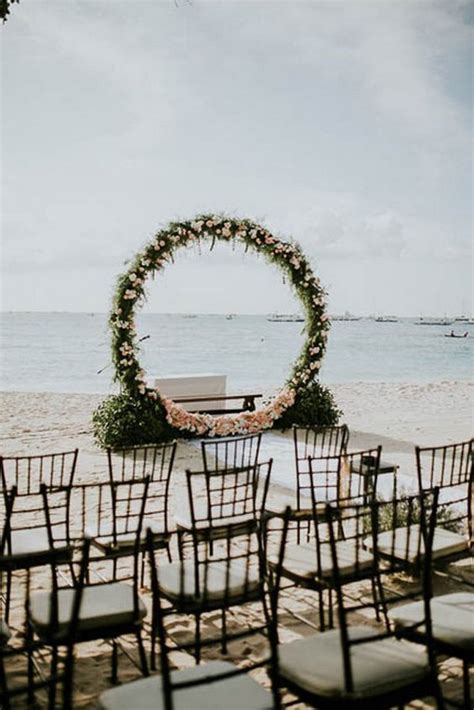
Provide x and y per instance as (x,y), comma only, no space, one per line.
(121,420)
(314,406)
(405,514)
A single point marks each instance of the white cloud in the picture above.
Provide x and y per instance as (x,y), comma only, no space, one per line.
(344,124)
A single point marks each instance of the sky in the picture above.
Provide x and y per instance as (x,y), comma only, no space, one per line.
(344,124)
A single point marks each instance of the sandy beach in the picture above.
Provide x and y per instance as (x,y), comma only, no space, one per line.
(395,416)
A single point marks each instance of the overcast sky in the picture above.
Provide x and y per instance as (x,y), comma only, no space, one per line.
(344,124)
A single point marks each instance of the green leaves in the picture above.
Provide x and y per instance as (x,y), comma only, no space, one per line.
(122,420)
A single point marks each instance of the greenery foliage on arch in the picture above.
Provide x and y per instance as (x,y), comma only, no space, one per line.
(119,416)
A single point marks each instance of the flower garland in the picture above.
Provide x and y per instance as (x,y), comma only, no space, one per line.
(155,256)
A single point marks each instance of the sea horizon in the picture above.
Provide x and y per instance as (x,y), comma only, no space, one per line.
(70,352)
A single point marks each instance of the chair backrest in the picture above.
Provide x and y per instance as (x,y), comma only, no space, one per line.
(441,466)
(357,547)
(227,495)
(240,572)
(451,469)
(325,442)
(15,680)
(140,461)
(317,441)
(420,534)
(129,500)
(232,452)
(340,478)
(28,474)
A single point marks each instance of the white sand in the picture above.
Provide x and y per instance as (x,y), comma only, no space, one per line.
(396,416)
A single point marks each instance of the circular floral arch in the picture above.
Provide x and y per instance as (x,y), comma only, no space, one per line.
(153,258)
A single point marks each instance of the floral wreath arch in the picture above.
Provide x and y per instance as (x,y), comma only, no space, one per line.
(130,293)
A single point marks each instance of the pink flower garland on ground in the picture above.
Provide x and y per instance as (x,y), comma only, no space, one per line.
(229,424)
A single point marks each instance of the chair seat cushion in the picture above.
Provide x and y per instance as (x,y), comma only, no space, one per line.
(217,581)
(29,545)
(102,606)
(452,617)
(184,522)
(233,693)
(124,539)
(315,664)
(406,543)
(300,560)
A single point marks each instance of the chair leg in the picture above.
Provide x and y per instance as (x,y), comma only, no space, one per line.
(224,632)
(30,664)
(4,686)
(141,651)
(331,610)
(466,685)
(114,662)
(322,625)
(197,639)
(168,550)
(68,681)
(153,643)
(54,673)
(8,592)
(437,693)
(375,597)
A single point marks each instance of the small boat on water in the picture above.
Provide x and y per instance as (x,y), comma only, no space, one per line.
(434,321)
(280,318)
(452,334)
(345,317)
(386,319)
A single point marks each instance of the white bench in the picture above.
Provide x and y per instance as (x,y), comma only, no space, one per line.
(183,388)
(204,392)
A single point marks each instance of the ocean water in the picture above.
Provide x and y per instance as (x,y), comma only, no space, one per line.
(70,352)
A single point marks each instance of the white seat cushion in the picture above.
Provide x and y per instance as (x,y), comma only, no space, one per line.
(404,543)
(32,543)
(300,560)
(452,617)
(28,542)
(315,664)
(125,540)
(183,521)
(231,693)
(177,582)
(102,605)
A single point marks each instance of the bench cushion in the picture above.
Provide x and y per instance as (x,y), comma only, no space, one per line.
(232,693)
